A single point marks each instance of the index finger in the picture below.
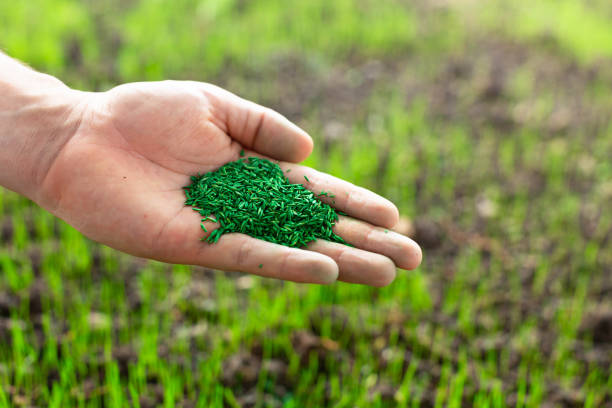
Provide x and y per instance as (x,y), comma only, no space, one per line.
(353,200)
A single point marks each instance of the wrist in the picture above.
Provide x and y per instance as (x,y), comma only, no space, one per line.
(38,115)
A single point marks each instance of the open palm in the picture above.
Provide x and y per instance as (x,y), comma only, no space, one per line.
(119,180)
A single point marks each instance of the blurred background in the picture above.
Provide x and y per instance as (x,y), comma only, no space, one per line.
(488,123)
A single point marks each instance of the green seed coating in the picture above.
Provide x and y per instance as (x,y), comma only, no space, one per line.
(253,197)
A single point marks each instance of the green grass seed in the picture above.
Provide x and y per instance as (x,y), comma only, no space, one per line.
(253,197)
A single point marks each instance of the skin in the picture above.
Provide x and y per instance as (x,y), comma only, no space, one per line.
(113,164)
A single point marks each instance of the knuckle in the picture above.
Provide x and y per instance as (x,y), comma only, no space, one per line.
(244,253)
(368,239)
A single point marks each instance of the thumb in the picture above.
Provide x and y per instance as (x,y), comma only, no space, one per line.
(258,128)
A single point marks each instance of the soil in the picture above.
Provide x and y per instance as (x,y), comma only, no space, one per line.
(299,87)
(492,106)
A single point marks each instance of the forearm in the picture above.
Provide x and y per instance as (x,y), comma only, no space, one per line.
(38,114)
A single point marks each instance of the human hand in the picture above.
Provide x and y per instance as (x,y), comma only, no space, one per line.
(118,178)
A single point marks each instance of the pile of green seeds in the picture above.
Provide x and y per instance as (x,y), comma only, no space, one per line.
(253,197)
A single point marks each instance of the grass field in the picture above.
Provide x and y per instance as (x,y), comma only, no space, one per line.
(488,123)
